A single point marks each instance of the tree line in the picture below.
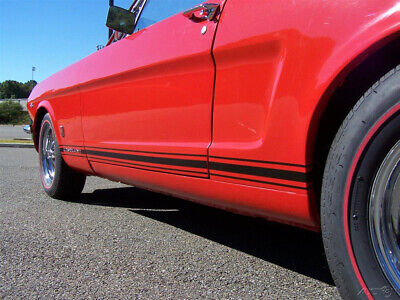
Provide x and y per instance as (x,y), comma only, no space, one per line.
(11,89)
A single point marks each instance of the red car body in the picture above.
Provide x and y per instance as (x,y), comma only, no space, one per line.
(228,118)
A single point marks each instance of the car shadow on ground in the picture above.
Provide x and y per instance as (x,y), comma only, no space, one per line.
(289,247)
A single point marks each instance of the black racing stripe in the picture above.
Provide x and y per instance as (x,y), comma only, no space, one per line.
(263,161)
(217,166)
(145,169)
(260,181)
(259,171)
(194,155)
(145,166)
(151,159)
(149,152)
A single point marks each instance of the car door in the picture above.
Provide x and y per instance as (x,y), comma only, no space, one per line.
(147,99)
(260,108)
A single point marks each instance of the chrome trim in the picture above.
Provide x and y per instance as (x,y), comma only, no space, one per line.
(71,150)
(62,131)
(139,8)
(207,11)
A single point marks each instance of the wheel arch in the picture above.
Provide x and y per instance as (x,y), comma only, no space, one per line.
(44,107)
(351,82)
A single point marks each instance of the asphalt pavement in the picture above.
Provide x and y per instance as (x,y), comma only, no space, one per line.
(120,242)
(9,132)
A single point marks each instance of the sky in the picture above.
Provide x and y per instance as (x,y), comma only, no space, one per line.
(49,34)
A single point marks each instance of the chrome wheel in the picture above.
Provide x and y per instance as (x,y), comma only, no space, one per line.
(48,158)
(384,216)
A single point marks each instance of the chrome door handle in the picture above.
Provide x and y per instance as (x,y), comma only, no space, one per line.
(205,11)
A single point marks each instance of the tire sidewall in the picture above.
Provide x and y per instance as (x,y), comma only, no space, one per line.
(51,189)
(361,145)
(358,203)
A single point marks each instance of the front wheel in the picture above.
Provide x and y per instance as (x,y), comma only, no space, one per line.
(360,200)
(58,180)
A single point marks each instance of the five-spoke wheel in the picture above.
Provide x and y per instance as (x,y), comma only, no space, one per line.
(48,160)
(59,180)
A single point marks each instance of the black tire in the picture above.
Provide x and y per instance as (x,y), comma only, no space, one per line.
(58,179)
(363,141)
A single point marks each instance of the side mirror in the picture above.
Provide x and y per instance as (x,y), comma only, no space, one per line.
(121,20)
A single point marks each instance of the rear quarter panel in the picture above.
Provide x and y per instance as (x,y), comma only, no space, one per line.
(275,60)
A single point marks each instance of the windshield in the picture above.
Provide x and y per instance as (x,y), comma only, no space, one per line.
(157,10)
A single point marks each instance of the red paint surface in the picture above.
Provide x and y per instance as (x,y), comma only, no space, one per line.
(154,92)
(151,91)
(275,60)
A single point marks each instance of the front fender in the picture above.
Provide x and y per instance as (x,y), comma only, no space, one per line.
(38,109)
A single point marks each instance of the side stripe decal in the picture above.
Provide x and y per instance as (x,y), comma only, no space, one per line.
(127,164)
(148,152)
(145,169)
(151,159)
(261,161)
(261,181)
(259,171)
(229,168)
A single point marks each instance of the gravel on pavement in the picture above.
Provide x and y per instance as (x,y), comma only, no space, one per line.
(120,242)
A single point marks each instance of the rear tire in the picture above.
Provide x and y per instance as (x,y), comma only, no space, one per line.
(58,179)
(361,148)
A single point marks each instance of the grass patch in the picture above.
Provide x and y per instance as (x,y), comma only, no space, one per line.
(16,141)
(12,113)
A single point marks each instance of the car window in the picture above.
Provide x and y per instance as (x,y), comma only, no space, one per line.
(157,10)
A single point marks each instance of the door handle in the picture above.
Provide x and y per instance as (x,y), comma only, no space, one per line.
(205,11)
